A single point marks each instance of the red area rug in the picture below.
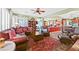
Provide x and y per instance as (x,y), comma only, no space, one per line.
(47,44)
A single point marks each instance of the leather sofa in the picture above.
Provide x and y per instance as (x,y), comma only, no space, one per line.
(64,39)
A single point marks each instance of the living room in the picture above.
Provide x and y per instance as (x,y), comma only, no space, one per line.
(39,29)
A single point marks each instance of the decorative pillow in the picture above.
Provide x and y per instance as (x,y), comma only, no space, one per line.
(19,30)
(75,37)
(12,33)
(25,29)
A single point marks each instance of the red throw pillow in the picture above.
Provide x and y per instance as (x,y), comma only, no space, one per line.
(19,30)
(12,33)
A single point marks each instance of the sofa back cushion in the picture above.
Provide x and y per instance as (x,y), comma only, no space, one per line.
(29,29)
(25,29)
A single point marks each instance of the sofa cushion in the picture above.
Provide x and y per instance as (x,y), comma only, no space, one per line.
(4,35)
(19,40)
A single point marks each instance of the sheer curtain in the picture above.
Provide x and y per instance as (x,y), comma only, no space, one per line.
(22,21)
(0,20)
(4,19)
(8,20)
(14,20)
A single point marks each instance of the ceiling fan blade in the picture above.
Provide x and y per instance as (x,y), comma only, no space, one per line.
(32,10)
(39,12)
(42,11)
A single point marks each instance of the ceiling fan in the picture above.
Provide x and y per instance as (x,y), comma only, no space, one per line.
(39,10)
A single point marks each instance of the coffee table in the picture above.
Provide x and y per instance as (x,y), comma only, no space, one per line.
(9,46)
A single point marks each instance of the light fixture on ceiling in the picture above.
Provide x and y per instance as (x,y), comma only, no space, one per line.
(39,10)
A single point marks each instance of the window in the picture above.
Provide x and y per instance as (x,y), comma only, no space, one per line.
(23,22)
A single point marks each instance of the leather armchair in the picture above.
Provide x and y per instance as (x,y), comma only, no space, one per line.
(64,39)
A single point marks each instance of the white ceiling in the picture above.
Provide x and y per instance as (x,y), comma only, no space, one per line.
(29,12)
(62,12)
(70,15)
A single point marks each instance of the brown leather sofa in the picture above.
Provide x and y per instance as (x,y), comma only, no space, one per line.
(64,39)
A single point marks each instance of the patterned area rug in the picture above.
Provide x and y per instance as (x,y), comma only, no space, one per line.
(47,44)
